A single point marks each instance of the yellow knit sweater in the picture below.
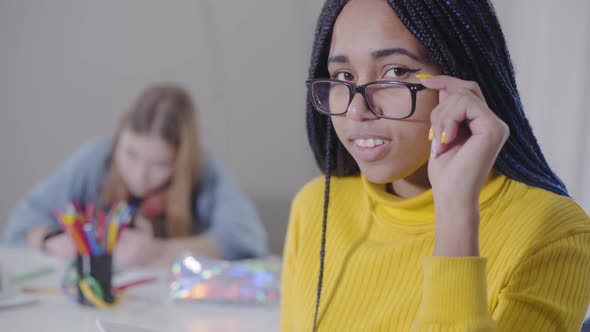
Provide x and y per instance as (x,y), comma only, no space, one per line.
(380,275)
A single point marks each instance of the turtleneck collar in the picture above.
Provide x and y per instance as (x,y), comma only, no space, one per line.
(418,210)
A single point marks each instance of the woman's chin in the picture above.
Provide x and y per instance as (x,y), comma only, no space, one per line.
(138,192)
(380,172)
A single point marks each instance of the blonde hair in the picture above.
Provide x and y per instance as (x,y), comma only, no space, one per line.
(165,110)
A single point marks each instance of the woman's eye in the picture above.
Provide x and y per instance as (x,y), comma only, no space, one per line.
(399,72)
(344,76)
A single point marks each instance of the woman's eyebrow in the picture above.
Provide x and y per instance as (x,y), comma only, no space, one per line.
(340,58)
(395,51)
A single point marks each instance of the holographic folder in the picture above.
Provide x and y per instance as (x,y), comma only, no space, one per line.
(255,281)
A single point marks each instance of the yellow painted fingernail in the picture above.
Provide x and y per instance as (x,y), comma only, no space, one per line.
(431,134)
(443,138)
(423,75)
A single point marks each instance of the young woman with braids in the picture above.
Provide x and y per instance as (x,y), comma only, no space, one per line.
(438,211)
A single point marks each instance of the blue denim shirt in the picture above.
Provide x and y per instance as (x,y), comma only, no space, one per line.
(223,211)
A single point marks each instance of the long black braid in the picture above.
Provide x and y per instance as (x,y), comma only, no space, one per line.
(465,39)
(324,225)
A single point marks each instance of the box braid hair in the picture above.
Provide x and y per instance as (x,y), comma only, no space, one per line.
(465,39)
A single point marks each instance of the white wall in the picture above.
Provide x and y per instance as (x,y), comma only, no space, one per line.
(550,46)
(69,67)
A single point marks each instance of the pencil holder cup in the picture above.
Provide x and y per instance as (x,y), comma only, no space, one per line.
(95,275)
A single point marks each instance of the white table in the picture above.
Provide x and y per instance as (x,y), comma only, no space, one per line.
(145,306)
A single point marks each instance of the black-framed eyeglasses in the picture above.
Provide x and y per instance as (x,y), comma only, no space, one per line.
(392,100)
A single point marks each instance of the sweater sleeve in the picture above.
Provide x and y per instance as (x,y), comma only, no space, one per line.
(71,180)
(548,292)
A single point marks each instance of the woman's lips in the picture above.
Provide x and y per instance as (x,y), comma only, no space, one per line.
(370,148)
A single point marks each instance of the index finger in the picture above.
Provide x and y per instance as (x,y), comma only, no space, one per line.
(449,84)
